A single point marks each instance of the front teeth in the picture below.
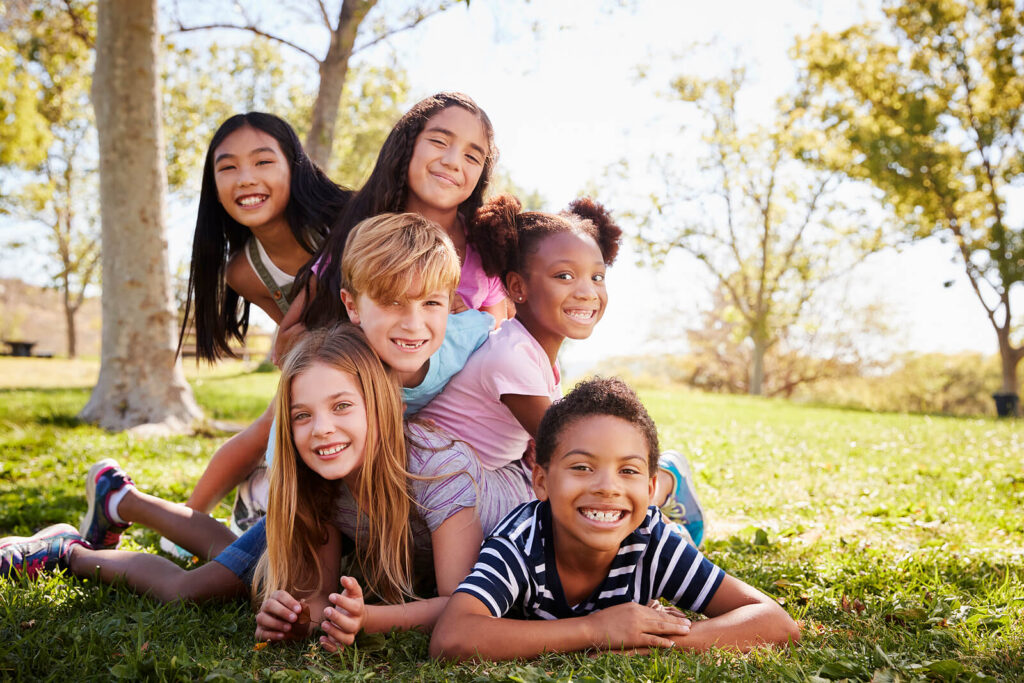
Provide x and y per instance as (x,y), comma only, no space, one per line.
(409,345)
(251,200)
(603,515)
(580,315)
(332,450)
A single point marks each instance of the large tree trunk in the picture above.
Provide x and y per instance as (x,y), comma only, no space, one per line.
(69,320)
(757,367)
(1010,358)
(333,71)
(140,380)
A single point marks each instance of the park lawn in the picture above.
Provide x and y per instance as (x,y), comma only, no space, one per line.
(896,540)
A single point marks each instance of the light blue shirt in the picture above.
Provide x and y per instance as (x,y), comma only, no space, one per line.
(465,332)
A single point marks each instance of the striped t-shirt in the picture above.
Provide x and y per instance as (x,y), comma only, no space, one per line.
(516,570)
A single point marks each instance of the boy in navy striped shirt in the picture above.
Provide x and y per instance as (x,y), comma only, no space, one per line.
(592,557)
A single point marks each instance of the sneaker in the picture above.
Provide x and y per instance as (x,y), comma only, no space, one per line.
(250,500)
(105,478)
(46,550)
(682,504)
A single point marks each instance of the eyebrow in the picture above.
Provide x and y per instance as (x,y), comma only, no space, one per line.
(258,150)
(332,397)
(580,451)
(449,133)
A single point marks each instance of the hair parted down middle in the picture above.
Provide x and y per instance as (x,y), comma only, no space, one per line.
(301,502)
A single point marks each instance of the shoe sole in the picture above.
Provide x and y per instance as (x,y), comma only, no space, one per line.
(41,535)
(90,493)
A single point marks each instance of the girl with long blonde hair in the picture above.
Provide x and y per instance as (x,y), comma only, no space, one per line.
(344,465)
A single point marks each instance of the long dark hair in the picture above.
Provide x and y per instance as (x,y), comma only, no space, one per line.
(315,202)
(386,191)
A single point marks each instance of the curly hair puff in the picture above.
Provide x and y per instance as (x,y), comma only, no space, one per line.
(505,236)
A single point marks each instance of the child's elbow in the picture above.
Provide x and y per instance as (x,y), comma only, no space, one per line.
(787,631)
(444,644)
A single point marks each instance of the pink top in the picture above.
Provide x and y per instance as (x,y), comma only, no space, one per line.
(475,287)
(470,408)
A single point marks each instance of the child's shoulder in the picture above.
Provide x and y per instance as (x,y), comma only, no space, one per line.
(521,522)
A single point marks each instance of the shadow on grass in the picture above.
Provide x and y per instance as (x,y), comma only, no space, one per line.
(27,509)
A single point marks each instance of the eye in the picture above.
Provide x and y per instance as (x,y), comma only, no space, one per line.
(342,405)
(564,276)
(630,470)
(580,467)
(298,417)
(598,277)
(226,167)
(473,158)
(438,141)
(433,302)
(261,162)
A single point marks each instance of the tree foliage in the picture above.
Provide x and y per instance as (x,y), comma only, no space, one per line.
(769,229)
(350,26)
(929,107)
(47,140)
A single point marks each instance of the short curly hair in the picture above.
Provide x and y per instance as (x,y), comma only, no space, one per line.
(596,396)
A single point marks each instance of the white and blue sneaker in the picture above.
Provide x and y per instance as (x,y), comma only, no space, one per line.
(682,504)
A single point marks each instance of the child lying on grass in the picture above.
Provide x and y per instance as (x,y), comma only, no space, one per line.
(591,557)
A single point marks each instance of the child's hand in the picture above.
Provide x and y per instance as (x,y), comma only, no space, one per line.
(458,304)
(282,617)
(667,609)
(631,625)
(286,339)
(343,621)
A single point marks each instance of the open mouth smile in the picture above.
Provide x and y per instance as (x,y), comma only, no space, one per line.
(409,344)
(581,315)
(330,450)
(250,201)
(603,516)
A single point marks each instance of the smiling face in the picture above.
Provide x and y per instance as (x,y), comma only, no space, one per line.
(446,162)
(562,293)
(598,483)
(253,178)
(328,417)
(405,333)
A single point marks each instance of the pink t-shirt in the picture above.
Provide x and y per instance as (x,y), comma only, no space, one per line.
(475,287)
(470,408)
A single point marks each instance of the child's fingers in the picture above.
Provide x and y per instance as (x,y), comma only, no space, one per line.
(285,600)
(352,587)
(339,635)
(329,644)
(658,641)
(668,627)
(350,623)
(353,606)
(272,624)
(280,610)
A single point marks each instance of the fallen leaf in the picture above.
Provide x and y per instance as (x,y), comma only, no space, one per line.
(25,625)
(259,646)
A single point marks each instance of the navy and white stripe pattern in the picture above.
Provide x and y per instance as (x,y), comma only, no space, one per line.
(516,569)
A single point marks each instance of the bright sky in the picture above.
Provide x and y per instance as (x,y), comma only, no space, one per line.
(559,81)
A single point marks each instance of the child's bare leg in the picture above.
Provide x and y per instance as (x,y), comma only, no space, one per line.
(157,576)
(232,463)
(198,533)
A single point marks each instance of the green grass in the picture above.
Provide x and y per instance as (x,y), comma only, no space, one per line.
(898,541)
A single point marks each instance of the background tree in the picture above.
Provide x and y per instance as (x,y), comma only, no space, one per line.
(140,380)
(47,141)
(928,106)
(346,23)
(769,229)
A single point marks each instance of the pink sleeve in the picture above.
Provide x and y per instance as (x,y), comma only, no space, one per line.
(515,368)
(495,292)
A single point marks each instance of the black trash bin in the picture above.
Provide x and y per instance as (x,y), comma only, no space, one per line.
(1006,404)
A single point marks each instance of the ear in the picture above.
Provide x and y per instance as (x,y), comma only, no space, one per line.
(516,286)
(349,302)
(652,486)
(540,482)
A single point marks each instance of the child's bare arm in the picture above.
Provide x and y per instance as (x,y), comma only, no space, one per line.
(231,464)
(528,410)
(742,618)
(467,630)
(456,546)
(290,327)
(240,276)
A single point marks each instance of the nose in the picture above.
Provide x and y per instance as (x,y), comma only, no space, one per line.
(452,157)
(412,318)
(605,483)
(585,289)
(246,176)
(322,425)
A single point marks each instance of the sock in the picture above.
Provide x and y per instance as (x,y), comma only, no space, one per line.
(114,500)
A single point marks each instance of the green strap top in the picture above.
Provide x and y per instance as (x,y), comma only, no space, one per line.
(282,295)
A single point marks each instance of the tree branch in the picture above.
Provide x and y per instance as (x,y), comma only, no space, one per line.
(420,18)
(251,29)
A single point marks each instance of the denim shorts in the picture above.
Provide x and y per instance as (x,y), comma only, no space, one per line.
(241,556)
